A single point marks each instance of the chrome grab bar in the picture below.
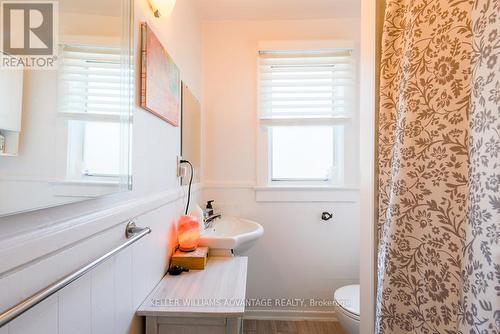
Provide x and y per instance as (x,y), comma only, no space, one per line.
(133,234)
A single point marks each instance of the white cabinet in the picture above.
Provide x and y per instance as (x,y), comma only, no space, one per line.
(168,325)
(11,105)
(11,99)
(210,301)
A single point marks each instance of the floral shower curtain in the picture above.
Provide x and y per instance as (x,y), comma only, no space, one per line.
(480,299)
(439,168)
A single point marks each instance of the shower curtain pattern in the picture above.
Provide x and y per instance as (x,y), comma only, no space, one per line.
(480,302)
(439,168)
(423,164)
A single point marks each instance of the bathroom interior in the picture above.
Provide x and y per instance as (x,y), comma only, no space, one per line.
(250,166)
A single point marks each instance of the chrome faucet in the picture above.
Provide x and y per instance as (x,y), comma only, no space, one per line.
(209,216)
(208,220)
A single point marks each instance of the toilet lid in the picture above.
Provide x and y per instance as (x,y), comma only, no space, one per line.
(347,297)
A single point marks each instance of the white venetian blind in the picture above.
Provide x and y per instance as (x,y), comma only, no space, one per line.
(306,84)
(90,80)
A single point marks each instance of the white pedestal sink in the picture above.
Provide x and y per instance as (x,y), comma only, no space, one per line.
(231,235)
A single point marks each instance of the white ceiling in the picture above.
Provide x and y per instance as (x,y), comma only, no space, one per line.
(277,9)
(96,7)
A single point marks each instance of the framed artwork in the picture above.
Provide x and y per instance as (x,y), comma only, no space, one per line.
(160,79)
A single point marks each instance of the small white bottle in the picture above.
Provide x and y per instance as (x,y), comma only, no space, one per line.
(2,143)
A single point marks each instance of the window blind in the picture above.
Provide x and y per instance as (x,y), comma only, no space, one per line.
(90,80)
(306,84)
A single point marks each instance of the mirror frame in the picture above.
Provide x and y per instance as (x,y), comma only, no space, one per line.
(196,169)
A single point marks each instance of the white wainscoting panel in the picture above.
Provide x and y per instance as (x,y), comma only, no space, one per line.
(7,293)
(103,301)
(102,296)
(124,311)
(75,307)
(151,258)
(40,320)
(299,255)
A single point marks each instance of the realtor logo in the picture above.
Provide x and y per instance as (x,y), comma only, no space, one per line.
(29,33)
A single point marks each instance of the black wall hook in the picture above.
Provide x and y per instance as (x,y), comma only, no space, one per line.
(326,216)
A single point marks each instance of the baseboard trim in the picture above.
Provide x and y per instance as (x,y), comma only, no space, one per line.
(289,315)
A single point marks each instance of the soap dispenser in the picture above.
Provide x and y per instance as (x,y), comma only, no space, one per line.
(209,208)
(2,143)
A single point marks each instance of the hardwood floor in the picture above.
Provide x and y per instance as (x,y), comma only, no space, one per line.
(291,327)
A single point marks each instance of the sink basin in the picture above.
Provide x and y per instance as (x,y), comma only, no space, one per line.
(231,233)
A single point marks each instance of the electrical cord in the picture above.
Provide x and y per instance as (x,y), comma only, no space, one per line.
(190,182)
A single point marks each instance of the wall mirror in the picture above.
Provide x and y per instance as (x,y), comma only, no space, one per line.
(66,131)
(191,133)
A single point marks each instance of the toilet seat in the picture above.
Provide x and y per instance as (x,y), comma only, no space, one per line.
(347,300)
(348,314)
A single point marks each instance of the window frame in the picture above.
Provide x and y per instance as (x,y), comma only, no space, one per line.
(264,163)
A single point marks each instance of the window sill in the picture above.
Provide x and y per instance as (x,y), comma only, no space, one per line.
(84,188)
(298,193)
(340,119)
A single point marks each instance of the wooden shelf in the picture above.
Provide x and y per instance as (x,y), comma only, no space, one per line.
(210,301)
(224,279)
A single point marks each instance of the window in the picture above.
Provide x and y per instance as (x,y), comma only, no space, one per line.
(305,99)
(89,80)
(90,99)
(101,149)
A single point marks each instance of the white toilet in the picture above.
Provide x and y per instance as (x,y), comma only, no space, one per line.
(347,307)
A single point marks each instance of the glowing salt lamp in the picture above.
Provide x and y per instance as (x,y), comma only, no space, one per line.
(188,230)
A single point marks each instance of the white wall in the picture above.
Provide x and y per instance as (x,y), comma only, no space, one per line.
(38,247)
(299,255)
